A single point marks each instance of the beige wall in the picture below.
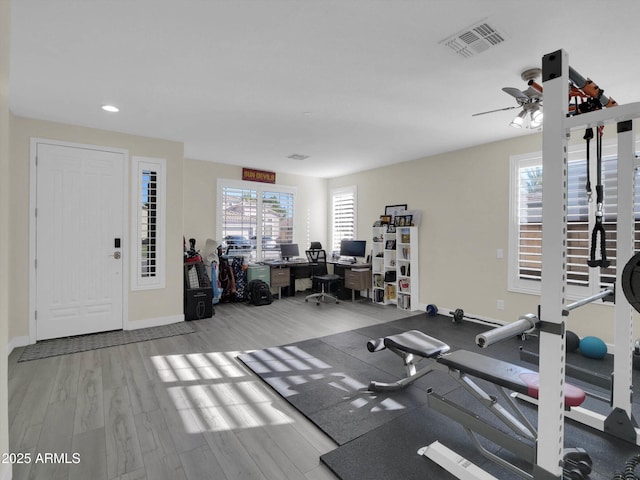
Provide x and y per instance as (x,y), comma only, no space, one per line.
(463,196)
(464,199)
(5,470)
(150,305)
(201,206)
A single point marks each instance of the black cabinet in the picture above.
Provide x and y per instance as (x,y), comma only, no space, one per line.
(198,292)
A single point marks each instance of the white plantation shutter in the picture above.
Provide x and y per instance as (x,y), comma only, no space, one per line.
(148,223)
(239,211)
(527,234)
(578,227)
(529,241)
(530,223)
(343,214)
(277,216)
(610,182)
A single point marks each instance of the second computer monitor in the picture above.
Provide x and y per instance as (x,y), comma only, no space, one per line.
(289,250)
(353,248)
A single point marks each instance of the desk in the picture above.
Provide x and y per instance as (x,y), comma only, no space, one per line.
(357,276)
(285,272)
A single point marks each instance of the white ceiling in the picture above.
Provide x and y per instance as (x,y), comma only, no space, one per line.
(354,84)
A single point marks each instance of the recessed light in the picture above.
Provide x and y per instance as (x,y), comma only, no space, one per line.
(110,108)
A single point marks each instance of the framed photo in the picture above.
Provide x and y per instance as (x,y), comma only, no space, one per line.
(400,221)
(391,228)
(408,220)
(416,217)
(393,210)
(385,219)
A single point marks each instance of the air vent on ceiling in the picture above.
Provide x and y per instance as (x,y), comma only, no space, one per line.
(297,156)
(474,39)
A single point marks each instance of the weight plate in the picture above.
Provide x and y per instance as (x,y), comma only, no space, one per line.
(631,281)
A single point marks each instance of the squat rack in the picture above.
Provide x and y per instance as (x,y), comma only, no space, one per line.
(557,129)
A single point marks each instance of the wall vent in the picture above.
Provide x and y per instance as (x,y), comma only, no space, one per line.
(474,39)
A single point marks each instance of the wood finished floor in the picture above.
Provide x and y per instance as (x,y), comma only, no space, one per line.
(180,407)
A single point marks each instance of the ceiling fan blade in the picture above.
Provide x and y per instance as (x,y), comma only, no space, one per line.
(493,111)
(517,94)
(532,93)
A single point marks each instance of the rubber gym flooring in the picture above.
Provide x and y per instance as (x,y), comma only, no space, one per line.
(378,434)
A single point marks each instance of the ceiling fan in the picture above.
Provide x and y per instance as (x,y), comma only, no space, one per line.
(529,100)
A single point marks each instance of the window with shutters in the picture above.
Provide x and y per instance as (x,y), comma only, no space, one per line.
(255,219)
(148,216)
(343,215)
(525,259)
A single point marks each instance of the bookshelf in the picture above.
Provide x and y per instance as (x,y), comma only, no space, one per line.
(407,267)
(394,266)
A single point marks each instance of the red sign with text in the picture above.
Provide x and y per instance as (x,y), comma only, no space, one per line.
(254,175)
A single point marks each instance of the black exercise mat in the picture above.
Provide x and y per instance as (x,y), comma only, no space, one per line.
(83,343)
(326,378)
(390,451)
(329,385)
(379,433)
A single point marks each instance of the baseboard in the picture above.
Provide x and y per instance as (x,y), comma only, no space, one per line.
(5,471)
(16,342)
(154,322)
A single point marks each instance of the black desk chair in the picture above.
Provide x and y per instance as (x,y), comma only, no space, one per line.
(320,275)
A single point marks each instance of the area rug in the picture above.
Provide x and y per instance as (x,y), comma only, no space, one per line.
(378,434)
(82,343)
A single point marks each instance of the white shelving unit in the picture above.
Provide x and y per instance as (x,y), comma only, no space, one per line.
(407,267)
(395,267)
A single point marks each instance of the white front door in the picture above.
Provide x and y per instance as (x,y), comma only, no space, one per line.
(79,240)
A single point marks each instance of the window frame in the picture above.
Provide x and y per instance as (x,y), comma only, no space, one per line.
(575,152)
(158,279)
(260,189)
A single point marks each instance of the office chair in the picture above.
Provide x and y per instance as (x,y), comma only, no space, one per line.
(319,274)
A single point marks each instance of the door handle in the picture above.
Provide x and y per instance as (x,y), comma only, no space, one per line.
(117,255)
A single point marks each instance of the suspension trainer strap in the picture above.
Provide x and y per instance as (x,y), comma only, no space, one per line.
(598,228)
(588,135)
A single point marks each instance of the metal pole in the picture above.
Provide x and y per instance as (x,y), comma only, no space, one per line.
(555,77)
(523,324)
(592,298)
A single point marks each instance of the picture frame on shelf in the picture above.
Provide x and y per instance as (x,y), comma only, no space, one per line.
(393,210)
(385,219)
(416,217)
(408,220)
(399,220)
(391,228)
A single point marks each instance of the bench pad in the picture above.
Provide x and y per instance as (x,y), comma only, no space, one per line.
(505,374)
(417,343)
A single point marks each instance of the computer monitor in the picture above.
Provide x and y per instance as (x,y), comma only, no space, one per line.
(289,250)
(353,248)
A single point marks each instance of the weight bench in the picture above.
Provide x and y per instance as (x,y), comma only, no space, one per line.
(414,346)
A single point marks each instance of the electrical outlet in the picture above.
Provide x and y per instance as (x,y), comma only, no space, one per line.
(500,304)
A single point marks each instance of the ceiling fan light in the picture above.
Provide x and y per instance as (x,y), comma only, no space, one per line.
(518,122)
(536,118)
